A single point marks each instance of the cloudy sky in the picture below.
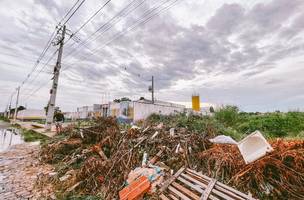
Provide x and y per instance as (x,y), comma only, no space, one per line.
(246,53)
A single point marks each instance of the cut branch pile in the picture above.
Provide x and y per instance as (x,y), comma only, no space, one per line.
(102,155)
(278,175)
(105,155)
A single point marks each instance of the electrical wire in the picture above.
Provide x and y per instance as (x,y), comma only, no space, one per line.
(139,22)
(70,10)
(19,57)
(83,25)
(39,72)
(119,14)
(50,42)
(35,91)
(74,12)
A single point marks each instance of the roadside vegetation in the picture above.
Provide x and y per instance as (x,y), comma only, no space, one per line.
(5,119)
(32,136)
(230,121)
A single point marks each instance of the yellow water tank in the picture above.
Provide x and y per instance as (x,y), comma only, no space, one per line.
(196,103)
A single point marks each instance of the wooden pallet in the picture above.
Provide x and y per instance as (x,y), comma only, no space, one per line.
(187,184)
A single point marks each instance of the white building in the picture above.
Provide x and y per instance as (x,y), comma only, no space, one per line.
(138,110)
(126,111)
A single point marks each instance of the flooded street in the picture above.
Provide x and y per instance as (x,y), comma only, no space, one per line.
(9,137)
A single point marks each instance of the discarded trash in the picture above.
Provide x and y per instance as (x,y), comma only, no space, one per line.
(135,127)
(171,132)
(136,189)
(65,177)
(144,160)
(254,146)
(223,139)
(154,135)
(105,157)
(160,125)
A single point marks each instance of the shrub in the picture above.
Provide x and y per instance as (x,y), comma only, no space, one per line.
(228,115)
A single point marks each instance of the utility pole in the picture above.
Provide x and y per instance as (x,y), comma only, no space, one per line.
(6,111)
(16,108)
(53,92)
(10,107)
(153,89)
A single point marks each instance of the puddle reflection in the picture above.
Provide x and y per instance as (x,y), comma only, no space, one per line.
(9,137)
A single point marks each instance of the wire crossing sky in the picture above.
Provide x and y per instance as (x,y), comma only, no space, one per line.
(246,53)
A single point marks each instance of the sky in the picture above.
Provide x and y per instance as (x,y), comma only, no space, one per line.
(244,53)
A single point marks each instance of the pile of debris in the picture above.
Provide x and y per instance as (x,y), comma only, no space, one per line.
(277,175)
(99,158)
(108,160)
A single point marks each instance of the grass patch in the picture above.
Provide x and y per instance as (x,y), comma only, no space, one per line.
(32,136)
(231,122)
(5,119)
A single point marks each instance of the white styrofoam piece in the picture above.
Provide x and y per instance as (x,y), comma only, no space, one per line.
(223,139)
(254,146)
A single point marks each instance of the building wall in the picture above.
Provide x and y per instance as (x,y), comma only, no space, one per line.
(144,110)
(126,111)
(30,114)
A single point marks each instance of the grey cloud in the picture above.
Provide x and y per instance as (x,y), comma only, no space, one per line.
(231,42)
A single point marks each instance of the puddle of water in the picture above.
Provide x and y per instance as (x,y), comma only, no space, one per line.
(9,137)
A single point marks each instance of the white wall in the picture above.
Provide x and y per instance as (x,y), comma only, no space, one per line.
(31,114)
(144,110)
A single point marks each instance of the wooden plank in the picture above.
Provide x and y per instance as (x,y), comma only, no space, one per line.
(207,192)
(173,197)
(232,194)
(219,184)
(163,197)
(198,178)
(219,188)
(185,190)
(195,187)
(194,180)
(178,193)
(171,179)
(204,187)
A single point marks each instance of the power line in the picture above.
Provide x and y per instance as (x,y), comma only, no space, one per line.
(106,24)
(70,10)
(53,36)
(139,22)
(49,42)
(19,57)
(145,20)
(46,64)
(81,27)
(35,91)
(74,11)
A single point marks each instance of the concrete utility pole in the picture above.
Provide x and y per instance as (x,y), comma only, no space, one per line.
(10,107)
(153,89)
(53,92)
(6,111)
(16,108)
